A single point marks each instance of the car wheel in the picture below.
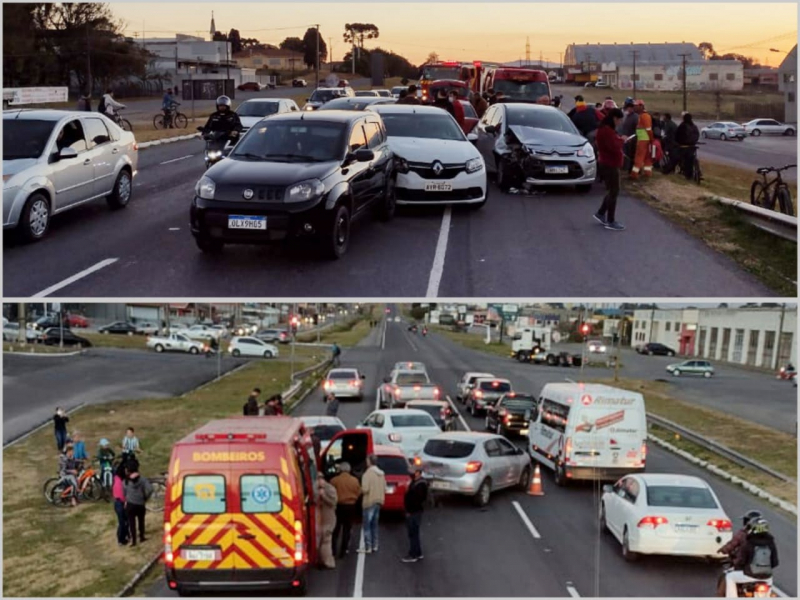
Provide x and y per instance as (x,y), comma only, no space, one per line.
(484,493)
(670,353)
(35,219)
(756,132)
(603,525)
(676,373)
(740,138)
(627,554)
(193,350)
(525,479)
(501,178)
(237,353)
(208,245)
(650,353)
(584,188)
(560,475)
(389,204)
(789,132)
(551,360)
(707,374)
(121,194)
(723,137)
(267,354)
(705,135)
(337,237)
(105,332)
(159,348)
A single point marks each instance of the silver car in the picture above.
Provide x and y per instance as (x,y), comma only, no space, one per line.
(254,110)
(345,383)
(54,160)
(725,130)
(474,464)
(758,127)
(531,145)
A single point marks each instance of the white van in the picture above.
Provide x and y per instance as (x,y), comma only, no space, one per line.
(588,431)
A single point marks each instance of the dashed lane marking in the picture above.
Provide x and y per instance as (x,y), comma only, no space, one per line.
(527,521)
(70,280)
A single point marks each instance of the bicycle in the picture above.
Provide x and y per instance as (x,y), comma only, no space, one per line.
(59,491)
(124,124)
(697,173)
(760,191)
(172,118)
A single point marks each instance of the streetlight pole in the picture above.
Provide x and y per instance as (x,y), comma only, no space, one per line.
(683,59)
(294,338)
(635,54)
(317,61)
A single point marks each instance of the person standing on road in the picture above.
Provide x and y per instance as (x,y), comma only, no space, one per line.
(479,104)
(328,500)
(668,135)
(586,118)
(347,491)
(442,102)
(250,408)
(401,96)
(60,420)
(331,405)
(458,110)
(269,408)
(609,162)
(373,486)
(410,97)
(686,137)
(137,492)
(118,491)
(414,503)
(628,129)
(336,352)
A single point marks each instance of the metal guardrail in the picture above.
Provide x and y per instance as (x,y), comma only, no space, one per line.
(704,442)
(311,369)
(772,222)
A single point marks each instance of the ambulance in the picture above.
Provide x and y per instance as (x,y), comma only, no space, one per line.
(240,511)
(588,431)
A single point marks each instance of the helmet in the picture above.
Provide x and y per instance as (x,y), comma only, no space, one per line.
(628,100)
(757,526)
(224,101)
(609,104)
(750,515)
(104,442)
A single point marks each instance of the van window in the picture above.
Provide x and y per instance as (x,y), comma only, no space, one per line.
(495,386)
(555,415)
(260,494)
(203,494)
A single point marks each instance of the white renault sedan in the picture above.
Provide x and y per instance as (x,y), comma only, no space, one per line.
(251,346)
(652,513)
(406,428)
(436,162)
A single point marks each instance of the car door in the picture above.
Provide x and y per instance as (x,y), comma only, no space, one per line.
(513,466)
(615,509)
(103,151)
(358,173)
(73,178)
(497,463)
(486,141)
(376,141)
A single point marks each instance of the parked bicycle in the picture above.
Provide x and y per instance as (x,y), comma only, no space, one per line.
(59,491)
(119,120)
(171,119)
(766,193)
(697,173)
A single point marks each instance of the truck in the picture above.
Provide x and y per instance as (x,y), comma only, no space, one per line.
(533,345)
(176,342)
(516,84)
(403,385)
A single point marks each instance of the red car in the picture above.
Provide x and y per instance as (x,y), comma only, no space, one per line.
(77,321)
(470,116)
(250,86)
(394,464)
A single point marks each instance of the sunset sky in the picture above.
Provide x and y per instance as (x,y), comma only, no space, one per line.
(458,31)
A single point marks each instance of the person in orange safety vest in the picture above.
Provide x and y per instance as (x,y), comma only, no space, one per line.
(643,162)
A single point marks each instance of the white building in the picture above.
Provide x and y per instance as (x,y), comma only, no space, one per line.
(758,337)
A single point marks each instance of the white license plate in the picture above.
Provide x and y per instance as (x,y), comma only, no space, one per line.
(247,222)
(442,485)
(685,528)
(438,187)
(390,489)
(197,555)
(523,432)
(556,170)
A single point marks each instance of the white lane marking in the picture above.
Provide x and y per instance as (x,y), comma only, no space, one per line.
(410,343)
(383,337)
(70,280)
(438,258)
(174,228)
(166,162)
(358,585)
(527,521)
(780,593)
(455,410)
(573,592)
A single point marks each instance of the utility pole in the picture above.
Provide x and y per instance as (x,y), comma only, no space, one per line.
(22,338)
(88,61)
(683,71)
(227,62)
(589,67)
(652,322)
(330,51)
(780,337)
(317,61)
(527,51)
(318,323)
(620,334)
(635,54)
(294,340)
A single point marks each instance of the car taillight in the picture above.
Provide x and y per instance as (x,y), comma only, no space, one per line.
(397,390)
(762,590)
(503,412)
(354,382)
(395,437)
(417,461)
(652,522)
(507,418)
(479,394)
(169,558)
(568,447)
(436,392)
(474,466)
(720,524)
(644,451)
(298,542)
(327,384)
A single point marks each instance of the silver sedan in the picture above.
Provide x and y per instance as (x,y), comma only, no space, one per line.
(758,127)
(55,160)
(724,131)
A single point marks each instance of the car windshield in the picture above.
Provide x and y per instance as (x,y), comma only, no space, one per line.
(674,496)
(495,386)
(346,104)
(397,90)
(522,90)
(25,138)
(432,409)
(343,375)
(257,109)
(429,126)
(325,95)
(462,92)
(366,93)
(448,448)
(434,73)
(393,465)
(469,111)
(295,140)
(529,116)
(326,432)
(520,403)
(410,378)
(413,421)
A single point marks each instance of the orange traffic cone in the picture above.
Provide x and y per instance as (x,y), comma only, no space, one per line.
(536,484)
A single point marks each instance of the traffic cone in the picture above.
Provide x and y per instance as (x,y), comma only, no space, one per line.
(536,484)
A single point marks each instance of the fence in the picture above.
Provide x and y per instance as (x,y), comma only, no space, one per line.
(754,110)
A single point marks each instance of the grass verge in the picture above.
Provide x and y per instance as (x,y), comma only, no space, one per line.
(474,342)
(772,260)
(36,348)
(345,334)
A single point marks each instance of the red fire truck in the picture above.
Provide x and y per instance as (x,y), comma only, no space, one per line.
(437,71)
(517,84)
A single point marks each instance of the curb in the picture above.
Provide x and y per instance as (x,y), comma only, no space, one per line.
(179,138)
(140,574)
(50,354)
(753,489)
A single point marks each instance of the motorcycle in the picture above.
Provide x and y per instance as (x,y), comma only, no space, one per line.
(424,332)
(787,373)
(215,146)
(739,585)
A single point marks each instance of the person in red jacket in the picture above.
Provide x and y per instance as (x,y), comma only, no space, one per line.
(458,110)
(609,162)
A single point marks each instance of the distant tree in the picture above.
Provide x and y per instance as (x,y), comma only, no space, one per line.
(295,44)
(220,37)
(432,58)
(747,62)
(310,48)
(707,49)
(722,305)
(356,33)
(236,41)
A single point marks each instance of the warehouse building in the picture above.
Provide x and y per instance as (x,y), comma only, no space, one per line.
(659,67)
(787,84)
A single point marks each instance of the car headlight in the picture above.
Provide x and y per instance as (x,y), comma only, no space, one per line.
(474,165)
(308,107)
(214,154)
(205,188)
(304,191)
(587,151)
(401,165)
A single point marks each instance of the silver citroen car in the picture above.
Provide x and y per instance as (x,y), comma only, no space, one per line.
(54,160)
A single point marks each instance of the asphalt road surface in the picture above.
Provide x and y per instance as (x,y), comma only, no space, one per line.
(492,553)
(545,245)
(33,386)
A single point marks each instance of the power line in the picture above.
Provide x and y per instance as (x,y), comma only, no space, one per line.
(772,39)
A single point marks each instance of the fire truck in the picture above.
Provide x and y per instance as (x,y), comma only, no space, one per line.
(430,72)
(517,84)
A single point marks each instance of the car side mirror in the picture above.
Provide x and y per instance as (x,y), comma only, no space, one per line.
(364,155)
(472,137)
(490,129)
(471,386)
(608,489)
(66,154)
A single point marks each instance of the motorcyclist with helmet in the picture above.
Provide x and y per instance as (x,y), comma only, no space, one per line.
(733,549)
(224,120)
(747,548)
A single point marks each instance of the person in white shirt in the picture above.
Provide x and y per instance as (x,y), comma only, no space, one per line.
(111,106)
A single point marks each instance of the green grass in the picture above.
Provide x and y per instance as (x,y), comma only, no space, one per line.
(474,342)
(347,333)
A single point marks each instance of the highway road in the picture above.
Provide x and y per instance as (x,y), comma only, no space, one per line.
(492,552)
(545,245)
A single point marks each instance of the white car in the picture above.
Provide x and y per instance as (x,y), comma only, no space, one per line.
(596,347)
(409,366)
(324,428)
(251,346)
(436,163)
(677,515)
(11,333)
(146,328)
(345,383)
(202,332)
(252,111)
(175,342)
(468,379)
(758,127)
(404,428)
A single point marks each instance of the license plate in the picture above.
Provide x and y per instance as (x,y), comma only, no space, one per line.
(197,555)
(438,187)
(442,485)
(685,528)
(390,489)
(247,222)
(556,170)
(523,432)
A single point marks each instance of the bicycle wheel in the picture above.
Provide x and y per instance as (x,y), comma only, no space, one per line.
(180,121)
(697,174)
(158,121)
(126,125)
(760,196)
(59,496)
(156,501)
(785,201)
(48,487)
(93,491)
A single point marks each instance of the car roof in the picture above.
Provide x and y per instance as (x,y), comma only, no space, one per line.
(43,114)
(589,388)
(384,450)
(672,479)
(342,370)
(466,436)
(338,116)
(263,100)
(493,378)
(278,429)
(404,109)
(401,411)
(425,402)
(321,420)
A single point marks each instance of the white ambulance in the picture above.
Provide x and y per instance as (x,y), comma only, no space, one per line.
(588,431)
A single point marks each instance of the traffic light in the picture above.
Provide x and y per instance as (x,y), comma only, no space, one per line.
(585,328)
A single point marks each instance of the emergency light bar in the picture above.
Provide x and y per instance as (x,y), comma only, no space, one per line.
(239,437)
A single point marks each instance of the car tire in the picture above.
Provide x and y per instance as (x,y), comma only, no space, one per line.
(756,132)
(584,188)
(560,476)
(237,353)
(105,332)
(525,479)
(389,204)
(483,494)
(267,354)
(740,138)
(193,350)
(789,132)
(723,137)
(159,348)
(208,245)
(603,525)
(705,135)
(670,353)
(336,238)
(501,177)
(627,554)
(551,360)
(34,222)
(676,373)
(650,353)
(120,196)
(707,375)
